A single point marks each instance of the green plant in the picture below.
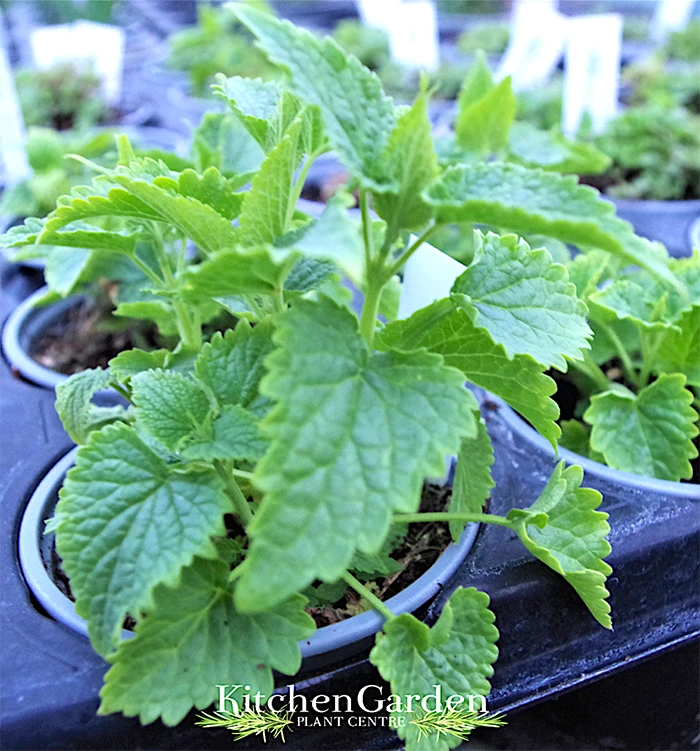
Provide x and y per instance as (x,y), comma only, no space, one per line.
(492,38)
(368,44)
(312,428)
(638,383)
(684,45)
(217,44)
(63,97)
(653,82)
(655,153)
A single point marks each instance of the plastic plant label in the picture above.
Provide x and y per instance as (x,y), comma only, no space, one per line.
(97,44)
(536,44)
(670,15)
(413,35)
(592,71)
(13,155)
(380,14)
(428,276)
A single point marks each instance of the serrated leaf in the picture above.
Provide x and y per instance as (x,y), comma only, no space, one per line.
(22,234)
(265,209)
(239,272)
(82,235)
(573,541)
(73,403)
(352,436)
(483,125)
(253,100)
(623,299)
(411,160)
(308,274)
(457,654)
(232,366)
(524,300)
(210,188)
(679,349)
(153,520)
(477,83)
(520,381)
(357,115)
(532,147)
(171,406)
(133,361)
(234,435)
(533,201)
(650,433)
(194,640)
(472,483)
(587,271)
(222,141)
(159,311)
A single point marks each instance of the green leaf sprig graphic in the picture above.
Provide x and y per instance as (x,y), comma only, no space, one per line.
(454,722)
(250,722)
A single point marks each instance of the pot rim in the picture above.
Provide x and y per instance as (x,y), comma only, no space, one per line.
(680,206)
(642,482)
(12,344)
(323,640)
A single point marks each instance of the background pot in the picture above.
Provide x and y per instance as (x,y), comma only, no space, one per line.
(326,646)
(668,222)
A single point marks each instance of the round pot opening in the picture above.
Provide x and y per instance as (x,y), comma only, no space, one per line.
(641,482)
(333,642)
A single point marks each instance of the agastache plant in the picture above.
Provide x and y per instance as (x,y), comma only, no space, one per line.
(310,426)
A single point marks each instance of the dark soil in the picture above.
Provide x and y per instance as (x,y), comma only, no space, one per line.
(88,336)
(421,547)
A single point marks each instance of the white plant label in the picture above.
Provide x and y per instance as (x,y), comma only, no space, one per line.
(592,71)
(13,154)
(670,15)
(428,276)
(413,35)
(378,13)
(536,43)
(97,44)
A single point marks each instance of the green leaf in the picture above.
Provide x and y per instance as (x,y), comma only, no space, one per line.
(650,433)
(532,201)
(222,141)
(64,269)
(477,84)
(194,640)
(357,114)
(679,349)
(572,541)
(264,215)
(210,188)
(483,125)
(171,406)
(353,435)
(232,366)
(457,654)
(410,159)
(625,300)
(153,519)
(73,403)
(253,100)
(234,435)
(551,151)
(587,270)
(449,331)
(575,436)
(524,300)
(472,484)
(82,235)
(133,361)
(159,311)
(335,237)
(22,234)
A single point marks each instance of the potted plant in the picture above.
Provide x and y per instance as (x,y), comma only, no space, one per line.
(309,430)
(655,172)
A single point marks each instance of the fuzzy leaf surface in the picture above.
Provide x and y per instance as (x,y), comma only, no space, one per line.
(154,518)
(73,402)
(234,435)
(457,654)
(679,350)
(193,640)
(650,433)
(352,436)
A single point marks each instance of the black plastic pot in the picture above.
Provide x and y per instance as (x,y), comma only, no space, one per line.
(668,222)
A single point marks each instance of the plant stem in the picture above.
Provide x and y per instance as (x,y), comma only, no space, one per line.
(366,231)
(591,368)
(451,516)
(299,185)
(648,357)
(147,271)
(120,390)
(370,309)
(622,352)
(234,492)
(402,260)
(374,601)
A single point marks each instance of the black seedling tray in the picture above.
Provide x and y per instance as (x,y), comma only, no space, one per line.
(549,643)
